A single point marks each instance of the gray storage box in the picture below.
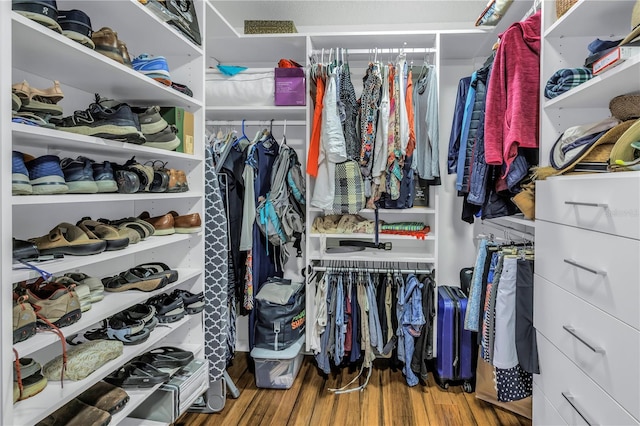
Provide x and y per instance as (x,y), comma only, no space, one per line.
(277,369)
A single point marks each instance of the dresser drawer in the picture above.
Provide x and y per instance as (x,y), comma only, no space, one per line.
(544,413)
(604,348)
(604,202)
(600,268)
(564,384)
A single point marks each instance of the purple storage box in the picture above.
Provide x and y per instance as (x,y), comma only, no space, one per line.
(290,87)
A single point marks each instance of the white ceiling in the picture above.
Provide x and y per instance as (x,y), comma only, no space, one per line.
(313,16)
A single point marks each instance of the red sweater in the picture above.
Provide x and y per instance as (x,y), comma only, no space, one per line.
(513,94)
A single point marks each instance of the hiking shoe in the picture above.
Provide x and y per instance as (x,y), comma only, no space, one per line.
(20,183)
(105,41)
(24,318)
(154,67)
(76,25)
(46,176)
(103,176)
(193,303)
(78,174)
(44,12)
(150,120)
(165,139)
(53,303)
(82,290)
(96,289)
(109,123)
(169,307)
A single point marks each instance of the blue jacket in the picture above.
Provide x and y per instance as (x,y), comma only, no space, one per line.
(456,126)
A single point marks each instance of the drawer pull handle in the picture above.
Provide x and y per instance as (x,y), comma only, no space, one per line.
(571,400)
(572,331)
(579,203)
(586,268)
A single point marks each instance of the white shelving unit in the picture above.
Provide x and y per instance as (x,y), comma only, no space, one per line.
(34,53)
(585,309)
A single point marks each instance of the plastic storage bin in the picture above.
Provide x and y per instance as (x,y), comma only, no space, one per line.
(277,369)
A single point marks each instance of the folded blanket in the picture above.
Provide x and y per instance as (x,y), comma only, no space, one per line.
(566,79)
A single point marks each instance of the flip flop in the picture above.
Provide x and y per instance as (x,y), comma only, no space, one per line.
(161,268)
(137,375)
(167,357)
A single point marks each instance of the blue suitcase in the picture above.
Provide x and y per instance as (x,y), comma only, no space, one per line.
(454,361)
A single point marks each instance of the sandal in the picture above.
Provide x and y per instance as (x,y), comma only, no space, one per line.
(167,357)
(161,268)
(68,239)
(137,374)
(99,231)
(143,228)
(144,313)
(169,308)
(135,278)
(126,329)
(193,303)
(26,93)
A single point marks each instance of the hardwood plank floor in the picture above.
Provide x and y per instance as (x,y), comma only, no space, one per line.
(386,401)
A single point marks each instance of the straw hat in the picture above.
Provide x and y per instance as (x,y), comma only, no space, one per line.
(623,154)
(625,107)
(635,24)
(576,141)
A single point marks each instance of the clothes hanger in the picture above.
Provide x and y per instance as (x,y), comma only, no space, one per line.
(284,133)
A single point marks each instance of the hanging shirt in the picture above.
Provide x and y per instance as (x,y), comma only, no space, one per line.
(408,102)
(249,205)
(402,106)
(314,142)
(425,101)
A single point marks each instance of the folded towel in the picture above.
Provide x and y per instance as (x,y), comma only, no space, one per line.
(566,79)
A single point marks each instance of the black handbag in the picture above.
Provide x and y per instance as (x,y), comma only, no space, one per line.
(280,314)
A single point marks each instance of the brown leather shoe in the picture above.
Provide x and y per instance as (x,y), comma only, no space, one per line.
(182,181)
(186,224)
(106,41)
(122,47)
(164,225)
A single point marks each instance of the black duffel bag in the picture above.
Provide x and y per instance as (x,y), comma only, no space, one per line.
(280,314)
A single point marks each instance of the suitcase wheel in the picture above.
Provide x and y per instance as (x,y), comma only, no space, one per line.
(444,385)
(466,386)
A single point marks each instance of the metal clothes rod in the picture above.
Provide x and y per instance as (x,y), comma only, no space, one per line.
(372,270)
(255,123)
(381,50)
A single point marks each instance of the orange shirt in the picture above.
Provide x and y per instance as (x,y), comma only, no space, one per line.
(408,101)
(314,143)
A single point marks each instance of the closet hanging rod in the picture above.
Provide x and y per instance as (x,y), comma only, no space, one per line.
(524,235)
(370,269)
(383,50)
(255,122)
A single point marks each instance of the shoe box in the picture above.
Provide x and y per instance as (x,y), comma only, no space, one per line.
(174,397)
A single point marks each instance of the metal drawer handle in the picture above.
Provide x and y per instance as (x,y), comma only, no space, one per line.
(586,268)
(572,331)
(578,203)
(571,400)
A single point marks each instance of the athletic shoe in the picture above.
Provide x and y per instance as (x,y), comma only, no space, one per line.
(151,121)
(24,318)
(109,123)
(20,183)
(82,290)
(77,26)
(103,176)
(45,175)
(96,288)
(53,302)
(153,67)
(165,139)
(44,12)
(79,175)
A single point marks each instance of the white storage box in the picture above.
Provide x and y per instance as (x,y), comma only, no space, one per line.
(277,369)
(251,87)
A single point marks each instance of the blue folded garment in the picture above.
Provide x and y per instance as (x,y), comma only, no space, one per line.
(566,79)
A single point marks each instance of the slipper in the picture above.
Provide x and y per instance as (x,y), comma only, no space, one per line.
(161,268)
(68,239)
(137,375)
(167,357)
(135,278)
(105,396)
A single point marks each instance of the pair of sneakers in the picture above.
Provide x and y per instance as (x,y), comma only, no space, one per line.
(157,132)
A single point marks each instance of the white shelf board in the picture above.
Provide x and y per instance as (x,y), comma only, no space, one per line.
(110,305)
(255,50)
(592,18)
(54,396)
(383,237)
(35,44)
(413,210)
(597,92)
(265,113)
(77,262)
(31,200)
(134,26)
(373,255)
(52,139)
(518,219)
(136,397)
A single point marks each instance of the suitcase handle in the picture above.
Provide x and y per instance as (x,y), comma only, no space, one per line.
(571,400)
(572,331)
(586,268)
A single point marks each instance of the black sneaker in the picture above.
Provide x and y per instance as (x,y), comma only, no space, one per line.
(117,123)
(104,177)
(44,12)
(78,174)
(77,26)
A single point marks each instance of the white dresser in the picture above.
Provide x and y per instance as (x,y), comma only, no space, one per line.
(587,300)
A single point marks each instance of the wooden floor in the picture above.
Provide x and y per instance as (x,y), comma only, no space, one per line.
(387,400)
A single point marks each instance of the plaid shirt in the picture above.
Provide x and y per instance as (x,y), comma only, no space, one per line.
(566,79)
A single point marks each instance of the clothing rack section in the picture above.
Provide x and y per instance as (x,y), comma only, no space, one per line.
(366,269)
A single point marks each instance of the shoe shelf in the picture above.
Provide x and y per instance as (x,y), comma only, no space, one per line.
(30,200)
(54,396)
(587,17)
(70,263)
(38,45)
(137,22)
(110,305)
(256,113)
(59,140)
(362,236)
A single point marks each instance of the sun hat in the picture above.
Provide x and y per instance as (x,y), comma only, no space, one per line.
(635,25)
(625,107)
(577,140)
(623,155)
